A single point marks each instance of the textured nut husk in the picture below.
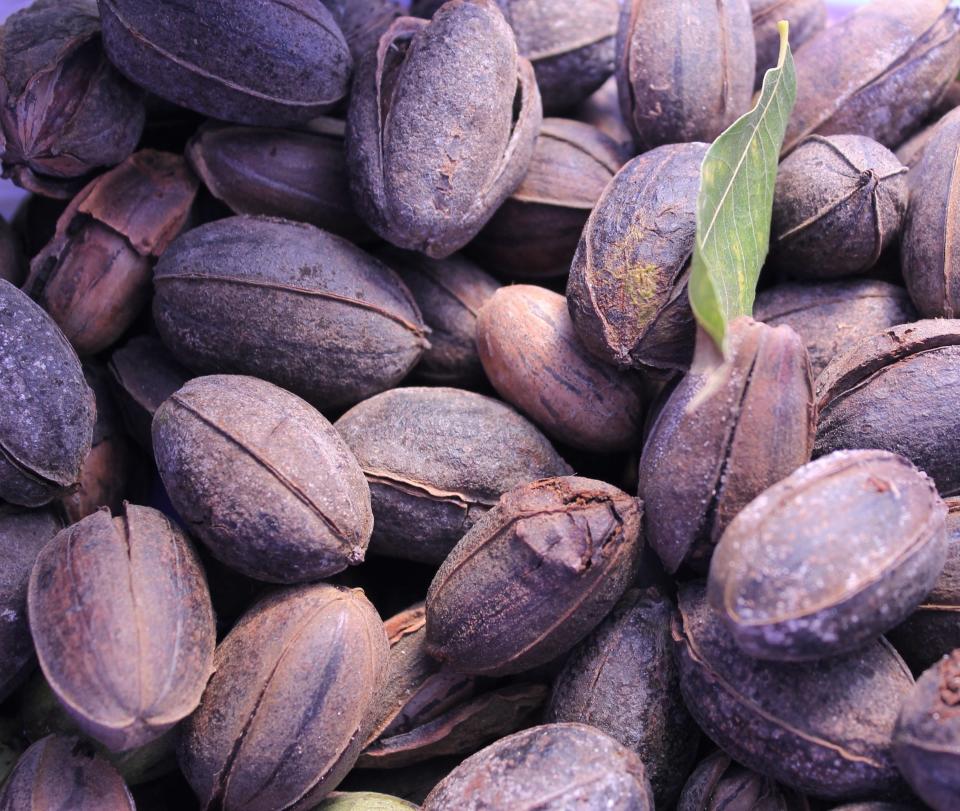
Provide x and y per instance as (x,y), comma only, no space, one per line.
(64,773)
(432,154)
(425,711)
(94,276)
(108,469)
(832,317)
(23,533)
(534,576)
(926,741)
(830,557)
(535,232)
(298,175)
(263,479)
(198,56)
(363,801)
(362,22)
(822,728)
(884,86)
(684,68)
(933,629)
(13,264)
(283,718)
(288,303)
(436,460)
(896,391)
(840,201)
(144,374)
(806,18)
(571,44)
(700,468)
(64,110)
(534,359)
(627,291)
(623,680)
(553,767)
(111,597)
(47,410)
(449,293)
(929,250)
(719,784)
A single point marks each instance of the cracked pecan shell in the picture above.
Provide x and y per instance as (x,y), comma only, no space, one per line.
(285,714)
(263,479)
(436,460)
(121,618)
(441,127)
(534,576)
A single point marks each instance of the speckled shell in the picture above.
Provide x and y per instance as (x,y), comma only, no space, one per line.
(840,201)
(442,122)
(437,459)
(534,576)
(112,597)
(534,234)
(926,741)
(720,784)
(23,533)
(288,303)
(282,720)
(830,557)
(832,317)
(933,629)
(262,479)
(627,291)
(823,728)
(896,391)
(47,410)
(198,55)
(449,293)
(685,68)
(553,767)
(929,251)
(623,680)
(806,18)
(878,72)
(59,773)
(699,468)
(535,361)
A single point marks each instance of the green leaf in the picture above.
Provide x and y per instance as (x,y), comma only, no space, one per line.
(735,203)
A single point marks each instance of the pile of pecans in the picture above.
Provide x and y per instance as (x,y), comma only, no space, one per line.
(359,448)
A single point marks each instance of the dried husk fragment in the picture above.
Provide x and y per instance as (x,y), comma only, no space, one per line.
(441,127)
(94,276)
(284,716)
(896,391)
(823,728)
(59,773)
(878,73)
(64,110)
(436,460)
(533,576)
(294,174)
(623,680)
(700,467)
(23,533)
(685,68)
(830,557)
(199,56)
(47,411)
(553,766)
(535,232)
(627,292)
(720,784)
(263,479)
(534,359)
(290,304)
(832,317)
